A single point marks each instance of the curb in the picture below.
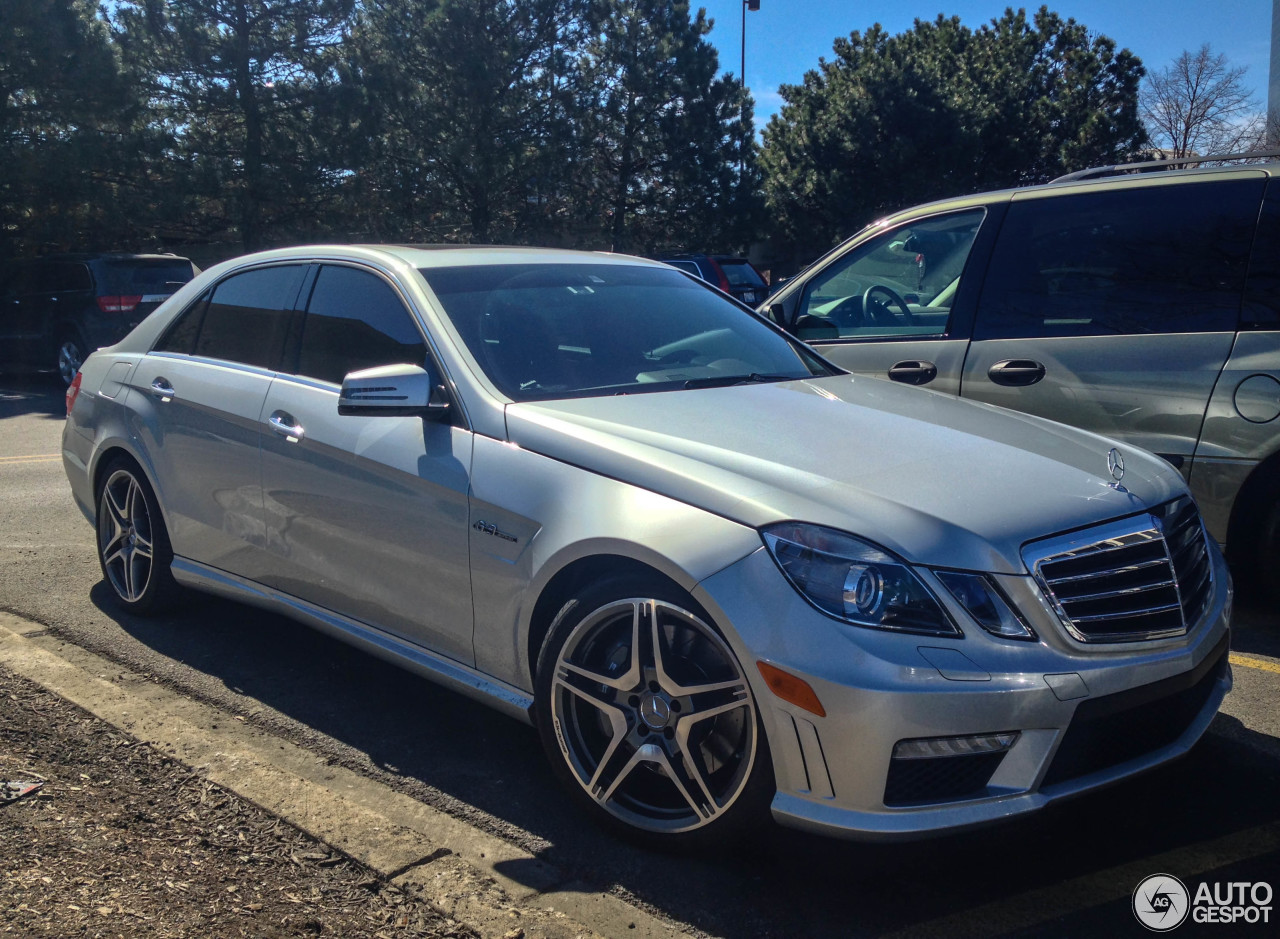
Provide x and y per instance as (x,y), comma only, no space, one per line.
(496,887)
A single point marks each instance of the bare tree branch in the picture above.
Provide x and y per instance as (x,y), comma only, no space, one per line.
(1198,105)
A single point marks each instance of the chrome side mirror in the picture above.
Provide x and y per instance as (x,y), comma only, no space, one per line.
(393,391)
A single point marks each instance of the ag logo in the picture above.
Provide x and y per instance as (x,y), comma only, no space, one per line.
(1161,902)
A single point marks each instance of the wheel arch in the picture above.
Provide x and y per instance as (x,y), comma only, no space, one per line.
(107,454)
(1263,483)
(569,579)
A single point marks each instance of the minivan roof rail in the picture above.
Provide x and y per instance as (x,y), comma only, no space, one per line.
(1153,165)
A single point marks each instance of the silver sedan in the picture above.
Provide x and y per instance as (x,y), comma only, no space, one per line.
(719,575)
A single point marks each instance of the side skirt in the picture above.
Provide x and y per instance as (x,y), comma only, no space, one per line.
(443,671)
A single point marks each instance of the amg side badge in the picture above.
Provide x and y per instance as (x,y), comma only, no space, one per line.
(488,529)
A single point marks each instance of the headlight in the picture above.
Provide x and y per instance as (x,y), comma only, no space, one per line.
(983,601)
(855,581)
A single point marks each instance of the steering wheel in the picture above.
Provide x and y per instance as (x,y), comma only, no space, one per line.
(847,313)
(894,298)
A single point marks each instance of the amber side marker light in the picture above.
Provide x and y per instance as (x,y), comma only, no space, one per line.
(791,689)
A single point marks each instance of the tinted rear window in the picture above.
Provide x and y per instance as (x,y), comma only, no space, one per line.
(741,274)
(133,278)
(248,317)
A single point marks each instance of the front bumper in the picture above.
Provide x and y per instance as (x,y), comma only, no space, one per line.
(1085,716)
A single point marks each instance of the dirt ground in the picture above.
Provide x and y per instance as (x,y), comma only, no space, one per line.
(122,841)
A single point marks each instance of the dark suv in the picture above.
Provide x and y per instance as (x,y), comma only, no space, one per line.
(59,308)
(1140,302)
(735,276)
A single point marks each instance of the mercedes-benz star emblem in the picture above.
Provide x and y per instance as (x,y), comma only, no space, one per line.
(1115,465)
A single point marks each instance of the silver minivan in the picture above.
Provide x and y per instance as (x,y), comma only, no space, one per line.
(1140,305)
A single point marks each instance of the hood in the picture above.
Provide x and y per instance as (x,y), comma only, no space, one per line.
(933,478)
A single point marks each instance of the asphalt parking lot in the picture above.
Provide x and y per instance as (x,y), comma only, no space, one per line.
(1212,817)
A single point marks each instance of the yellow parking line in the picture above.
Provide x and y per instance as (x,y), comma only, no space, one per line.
(32,458)
(1249,661)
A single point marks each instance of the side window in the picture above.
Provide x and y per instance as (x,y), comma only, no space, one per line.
(247,318)
(354,321)
(687,266)
(44,277)
(182,332)
(71,275)
(901,283)
(1262,290)
(1127,261)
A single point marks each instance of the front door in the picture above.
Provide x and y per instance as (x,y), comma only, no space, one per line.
(893,307)
(366,516)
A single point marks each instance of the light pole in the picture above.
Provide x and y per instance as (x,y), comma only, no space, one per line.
(742,75)
(742,71)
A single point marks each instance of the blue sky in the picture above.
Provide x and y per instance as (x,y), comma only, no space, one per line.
(785,38)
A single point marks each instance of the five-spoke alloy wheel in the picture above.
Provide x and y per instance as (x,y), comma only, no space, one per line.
(651,716)
(133,546)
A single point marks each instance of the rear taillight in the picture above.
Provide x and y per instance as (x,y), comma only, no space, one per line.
(724,281)
(118,304)
(73,391)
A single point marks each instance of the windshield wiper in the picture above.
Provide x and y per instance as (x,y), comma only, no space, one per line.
(722,381)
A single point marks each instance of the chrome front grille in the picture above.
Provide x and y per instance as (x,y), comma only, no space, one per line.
(1143,577)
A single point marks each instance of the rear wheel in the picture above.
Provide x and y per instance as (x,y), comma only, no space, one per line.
(71,353)
(133,544)
(648,718)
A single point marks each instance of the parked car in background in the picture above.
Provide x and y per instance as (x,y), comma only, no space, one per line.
(718,574)
(55,310)
(1140,305)
(735,276)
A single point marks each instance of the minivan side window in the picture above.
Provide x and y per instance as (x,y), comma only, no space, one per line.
(901,283)
(355,320)
(1262,290)
(1160,259)
(247,318)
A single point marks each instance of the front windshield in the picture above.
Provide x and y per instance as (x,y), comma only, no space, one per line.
(562,330)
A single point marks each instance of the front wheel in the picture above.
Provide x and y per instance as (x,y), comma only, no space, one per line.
(648,718)
(133,545)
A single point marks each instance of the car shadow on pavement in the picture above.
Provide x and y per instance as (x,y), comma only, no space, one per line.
(490,770)
(43,395)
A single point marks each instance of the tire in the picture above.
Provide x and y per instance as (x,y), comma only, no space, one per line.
(70,356)
(133,543)
(649,720)
(1266,560)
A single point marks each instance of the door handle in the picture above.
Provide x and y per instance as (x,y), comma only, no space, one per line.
(283,423)
(1016,372)
(913,372)
(162,389)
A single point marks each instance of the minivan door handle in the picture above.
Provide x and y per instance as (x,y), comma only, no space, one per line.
(162,389)
(913,372)
(1016,372)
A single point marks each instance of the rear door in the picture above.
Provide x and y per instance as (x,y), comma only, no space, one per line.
(1115,308)
(366,516)
(198,398)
